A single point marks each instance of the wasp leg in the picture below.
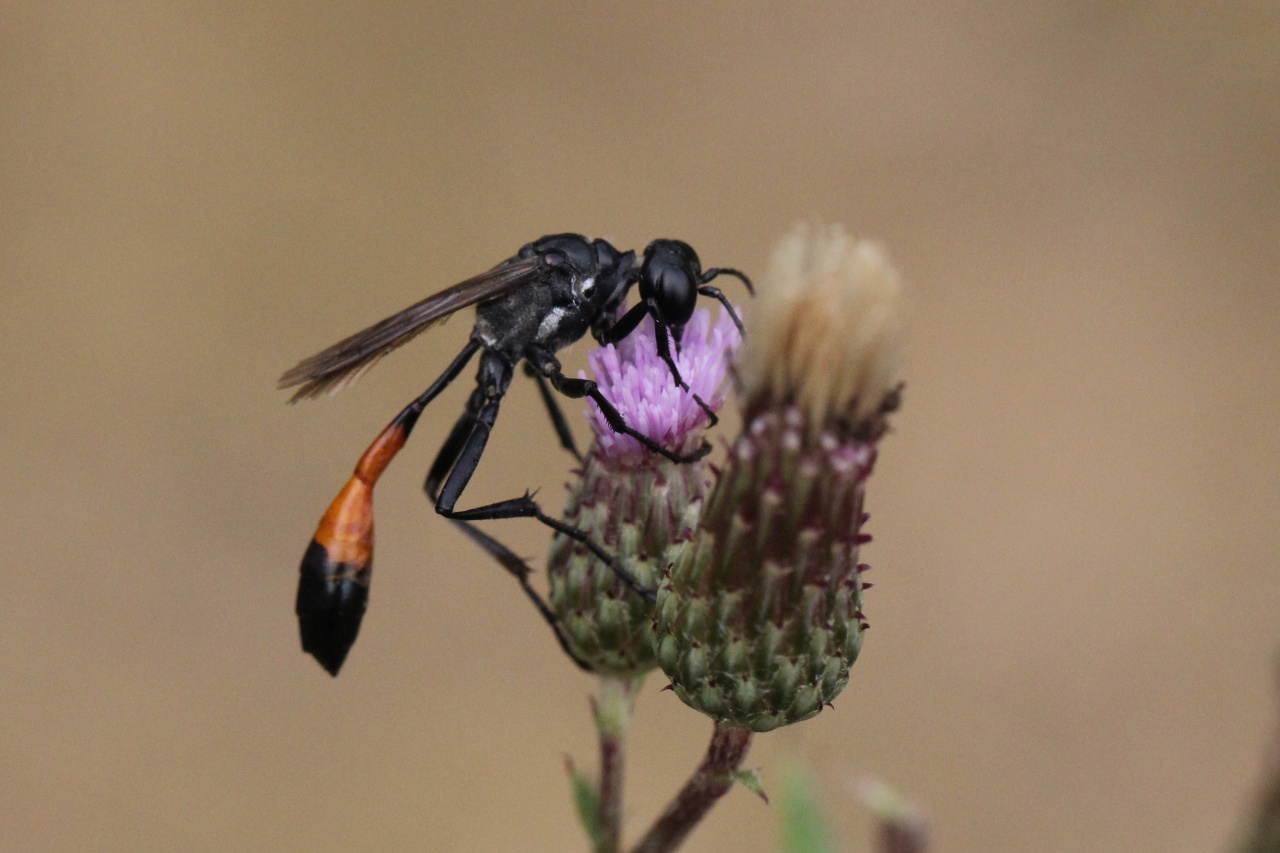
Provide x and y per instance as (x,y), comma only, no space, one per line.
(467,460)
(627,323)
(448,454)
(337,567)
(547,364)
(664,352)
(714,293)
(521,571)
(518,568)
(527,507)
(624,325)
(553,410)
(719,271)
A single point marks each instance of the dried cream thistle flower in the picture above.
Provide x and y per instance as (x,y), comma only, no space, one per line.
(759,621)
(638,505)
(826,331)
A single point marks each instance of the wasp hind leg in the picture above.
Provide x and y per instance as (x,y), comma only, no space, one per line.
(519,569)
(444,462)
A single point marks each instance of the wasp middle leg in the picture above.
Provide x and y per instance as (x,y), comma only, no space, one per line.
(464,457)
(563,432)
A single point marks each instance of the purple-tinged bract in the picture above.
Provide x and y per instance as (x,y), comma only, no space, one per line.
(640,506)
(759,618)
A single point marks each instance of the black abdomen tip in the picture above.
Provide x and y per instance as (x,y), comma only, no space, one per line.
(331,602)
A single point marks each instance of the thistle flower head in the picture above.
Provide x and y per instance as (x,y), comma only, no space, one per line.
(826,332)
(758,622)
(634,378)
(638,505)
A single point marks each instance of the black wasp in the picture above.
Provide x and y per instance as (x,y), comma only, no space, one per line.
(546,297)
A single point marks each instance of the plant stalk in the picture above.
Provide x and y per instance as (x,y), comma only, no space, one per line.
(612,710)
(710,782)
(1263,833)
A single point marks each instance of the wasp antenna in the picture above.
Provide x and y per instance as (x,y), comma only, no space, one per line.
(719,271)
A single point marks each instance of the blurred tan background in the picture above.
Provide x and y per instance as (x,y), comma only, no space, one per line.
(1077,519)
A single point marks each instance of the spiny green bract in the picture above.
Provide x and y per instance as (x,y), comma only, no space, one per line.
(759,620)
(645,516)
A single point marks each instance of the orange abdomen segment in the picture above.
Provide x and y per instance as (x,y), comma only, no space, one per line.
(346,530)
(333,590)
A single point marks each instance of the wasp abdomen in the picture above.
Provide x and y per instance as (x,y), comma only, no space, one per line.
(332,597)
(333,589)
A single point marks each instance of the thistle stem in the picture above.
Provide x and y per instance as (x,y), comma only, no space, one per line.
(613,719)
(1263,835)
(710,782)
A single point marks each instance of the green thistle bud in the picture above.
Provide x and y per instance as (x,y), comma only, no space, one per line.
(760,618)
(636,504)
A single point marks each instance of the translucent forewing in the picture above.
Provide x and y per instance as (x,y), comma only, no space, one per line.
(332,369)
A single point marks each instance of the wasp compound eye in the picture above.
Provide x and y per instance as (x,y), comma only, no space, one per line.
(669,281)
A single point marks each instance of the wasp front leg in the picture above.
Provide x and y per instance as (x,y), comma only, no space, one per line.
(576,389)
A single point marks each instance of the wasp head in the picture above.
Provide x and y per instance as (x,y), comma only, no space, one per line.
(669,280)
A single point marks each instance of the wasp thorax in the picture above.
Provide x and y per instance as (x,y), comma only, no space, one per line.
(760,618)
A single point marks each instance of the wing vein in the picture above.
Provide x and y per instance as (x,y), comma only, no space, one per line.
(338,366)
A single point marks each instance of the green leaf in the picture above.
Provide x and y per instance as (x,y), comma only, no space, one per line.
(803,826)
(586,799)
(750,779)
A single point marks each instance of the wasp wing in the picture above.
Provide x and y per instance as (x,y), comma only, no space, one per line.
(333,369)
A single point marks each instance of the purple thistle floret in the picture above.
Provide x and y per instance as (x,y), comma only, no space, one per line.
(639,384)
(637,504)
